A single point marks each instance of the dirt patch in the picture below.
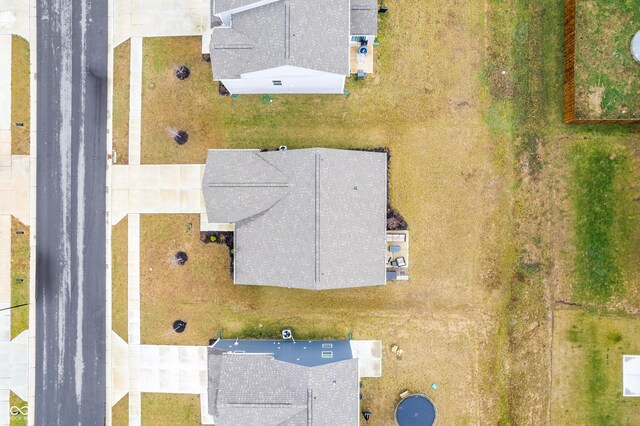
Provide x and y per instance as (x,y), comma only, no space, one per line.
(595,100)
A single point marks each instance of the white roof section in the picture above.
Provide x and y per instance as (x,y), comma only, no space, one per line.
(631,375)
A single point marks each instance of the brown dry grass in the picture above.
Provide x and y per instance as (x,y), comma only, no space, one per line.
(427,106)
(20,96)
(121,81)
(120,412)
(166,409)
(20,252)
(119,275)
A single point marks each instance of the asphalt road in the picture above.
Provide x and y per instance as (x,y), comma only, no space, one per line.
(70,233)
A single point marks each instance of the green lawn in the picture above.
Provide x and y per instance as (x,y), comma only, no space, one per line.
(15,401)
(602,204)
(607,78)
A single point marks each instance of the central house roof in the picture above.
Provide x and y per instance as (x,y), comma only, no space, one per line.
(308,218)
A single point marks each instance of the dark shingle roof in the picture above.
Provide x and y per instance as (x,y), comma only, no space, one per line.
(308,218)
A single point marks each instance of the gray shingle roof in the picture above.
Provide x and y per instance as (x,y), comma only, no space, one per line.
(256,389)
(364,17)
(308,34)
(308,218)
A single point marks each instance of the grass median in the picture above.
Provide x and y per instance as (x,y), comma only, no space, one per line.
(20,95)
(20,253)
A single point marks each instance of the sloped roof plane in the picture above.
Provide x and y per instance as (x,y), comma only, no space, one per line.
(268,34)
(364,17)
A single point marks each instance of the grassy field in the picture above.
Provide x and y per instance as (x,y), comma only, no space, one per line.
(482,169)
(602,223)
(587,365)
(20,104)
(15,401)
(119,275)
(19,270)
(167,409)
(607,79)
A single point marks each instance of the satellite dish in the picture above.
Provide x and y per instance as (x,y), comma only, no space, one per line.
(635,46)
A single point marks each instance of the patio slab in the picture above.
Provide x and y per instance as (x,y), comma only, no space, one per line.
(369,355)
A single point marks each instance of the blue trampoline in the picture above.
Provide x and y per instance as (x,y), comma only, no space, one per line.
(415,410)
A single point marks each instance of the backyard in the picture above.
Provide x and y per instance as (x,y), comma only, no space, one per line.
(607,79)
(491,183)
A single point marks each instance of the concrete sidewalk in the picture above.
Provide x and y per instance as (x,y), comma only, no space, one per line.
(169,188)
(14,201)
(160,18)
